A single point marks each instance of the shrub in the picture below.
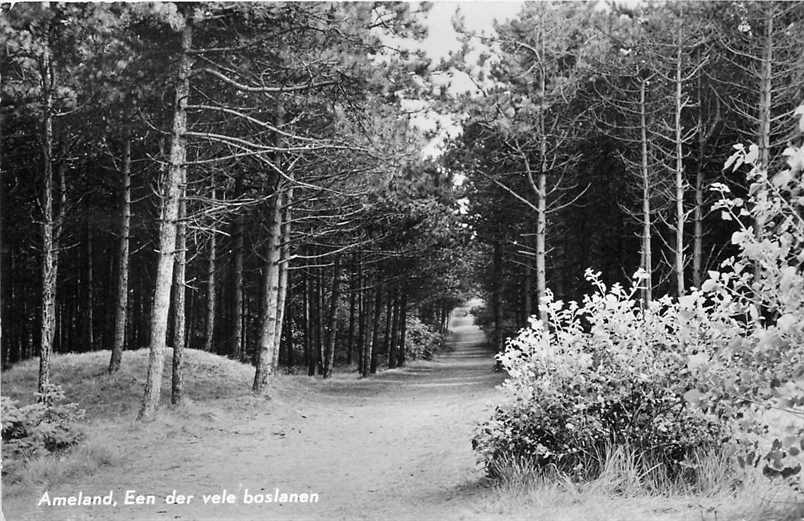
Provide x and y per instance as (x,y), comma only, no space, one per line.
(421,341)
(606,373)
(47,426)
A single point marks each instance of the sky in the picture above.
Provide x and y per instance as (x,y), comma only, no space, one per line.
(441,39)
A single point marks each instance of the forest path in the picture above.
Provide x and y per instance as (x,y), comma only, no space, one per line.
(391,447)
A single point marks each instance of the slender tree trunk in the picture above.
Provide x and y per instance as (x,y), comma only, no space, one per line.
(541,204)
(284,270)
(9,342)
(393,355)
(679,171)
(238,346)
(167,233)
(352,309)
(528,293)
(270,297)
(309,359)
(49,245)
(121,301)
(388,322)
(647,257)
(319,320)
(697,245)
(332,322)
(403,329)
(90,296)
(209,333)
(179,293)
(375,326)
(361,314)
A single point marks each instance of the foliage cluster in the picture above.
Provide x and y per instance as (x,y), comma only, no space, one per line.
(46,426)
(421,340)
(605,373)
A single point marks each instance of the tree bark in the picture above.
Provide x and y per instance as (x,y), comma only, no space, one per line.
(647,255)
(90,294)
(309,359)
(167,233)
(332,322)
(392,344)
(209,333)
(375,326)
(284,270)
(352,309)
(49,240)
(679,171)
(179,293)
(403,328)
(121,301)
(238,346)
(265,354)
(388,323)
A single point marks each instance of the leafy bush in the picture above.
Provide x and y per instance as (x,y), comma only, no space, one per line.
(677,375)
(421,341)
(46,426)
(607,372)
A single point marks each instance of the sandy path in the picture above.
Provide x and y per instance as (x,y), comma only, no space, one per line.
(394,446)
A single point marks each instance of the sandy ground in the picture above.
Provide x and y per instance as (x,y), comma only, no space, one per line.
(394,446)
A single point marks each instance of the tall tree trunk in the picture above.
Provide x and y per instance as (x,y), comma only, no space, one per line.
(90,296)
(361,314)
(403,328)
(319,320)
(121,300)
(309,359)
(388,322)
(179,293)
(352,309)
(332,321)
(393,355)
(167,232)
(270,310)
(238,346)
(365,347)
(679,170)
(209,334)
(697,244)
(528,293)
(284,270)
(375,326)
(647,255)
(49,242)
(541,212)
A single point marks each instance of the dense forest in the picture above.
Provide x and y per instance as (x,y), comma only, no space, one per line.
(246,180)
(233,178)
(612,221)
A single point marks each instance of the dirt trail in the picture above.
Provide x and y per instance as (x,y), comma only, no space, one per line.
(395,446)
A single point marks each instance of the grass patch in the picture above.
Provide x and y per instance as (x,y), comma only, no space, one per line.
(85,379)
(45,471)
(625,491)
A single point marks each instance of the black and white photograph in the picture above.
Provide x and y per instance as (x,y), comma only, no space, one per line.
(404,261)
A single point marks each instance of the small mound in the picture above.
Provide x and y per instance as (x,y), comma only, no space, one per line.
(85,380)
